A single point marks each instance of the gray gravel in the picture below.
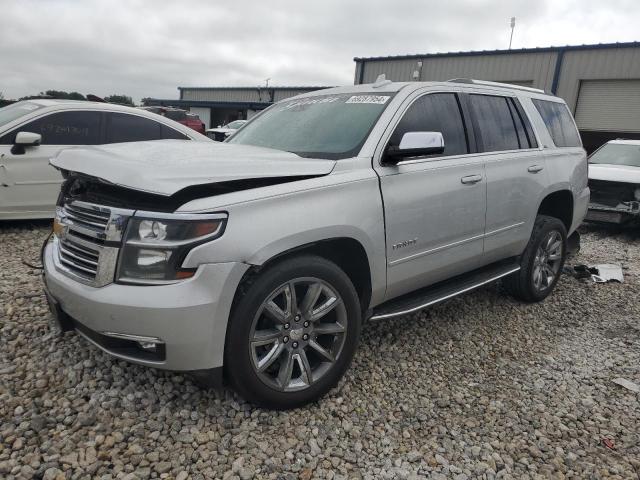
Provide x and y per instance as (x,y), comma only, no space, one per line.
(480,386)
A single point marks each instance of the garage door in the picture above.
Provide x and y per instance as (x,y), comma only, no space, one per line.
(204,114)
(609,105)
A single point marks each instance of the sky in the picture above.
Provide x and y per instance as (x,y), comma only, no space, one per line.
(147,48)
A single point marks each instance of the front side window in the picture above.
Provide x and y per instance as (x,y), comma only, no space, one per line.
(617,154)
(435,112)
(63,128)
(321,126)
(171,134)
(558,120)
(495,123)
(123,128)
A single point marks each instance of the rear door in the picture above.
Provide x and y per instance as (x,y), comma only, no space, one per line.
(30,185)
(435,205)
(515,169)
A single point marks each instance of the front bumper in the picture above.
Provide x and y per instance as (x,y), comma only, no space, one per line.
(619,215)
(189,318)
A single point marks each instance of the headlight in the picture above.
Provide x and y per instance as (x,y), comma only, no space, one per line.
(155,245)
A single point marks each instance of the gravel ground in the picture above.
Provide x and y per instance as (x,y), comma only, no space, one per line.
(479,386)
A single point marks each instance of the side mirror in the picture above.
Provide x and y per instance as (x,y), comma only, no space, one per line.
(23,140)
(415,144)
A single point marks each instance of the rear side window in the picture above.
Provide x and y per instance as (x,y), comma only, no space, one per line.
(63,128)
(558,120)
(176,115)
(131,128)
(169,133)
(436,112)
(495,123)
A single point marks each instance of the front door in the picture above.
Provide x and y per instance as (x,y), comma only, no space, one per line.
(29,185)
(434,206)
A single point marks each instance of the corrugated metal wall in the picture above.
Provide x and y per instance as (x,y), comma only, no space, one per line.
(609,105)
(531,68)
(253,94)
(223,94)
(600,64)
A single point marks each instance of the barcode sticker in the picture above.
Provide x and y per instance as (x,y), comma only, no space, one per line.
(375,99)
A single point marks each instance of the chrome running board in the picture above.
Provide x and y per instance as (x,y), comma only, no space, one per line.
(425,297)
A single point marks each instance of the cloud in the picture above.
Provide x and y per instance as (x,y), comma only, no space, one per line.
(148,48)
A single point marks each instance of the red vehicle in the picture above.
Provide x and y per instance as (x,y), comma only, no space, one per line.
(184,117)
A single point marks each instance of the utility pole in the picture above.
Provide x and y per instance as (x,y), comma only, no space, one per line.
(266,81)
(513,25)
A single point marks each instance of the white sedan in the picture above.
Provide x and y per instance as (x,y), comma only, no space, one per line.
(614,180)
(33,131)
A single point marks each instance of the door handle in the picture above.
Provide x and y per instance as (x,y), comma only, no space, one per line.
(535,168)
(471,179)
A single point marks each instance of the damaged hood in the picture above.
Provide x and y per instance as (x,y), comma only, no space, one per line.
(614,173)
(167,166)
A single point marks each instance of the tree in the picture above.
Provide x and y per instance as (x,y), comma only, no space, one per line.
(121,99)
(145,102)
(63,95)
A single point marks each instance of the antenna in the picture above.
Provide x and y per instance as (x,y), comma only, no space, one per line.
(513,26)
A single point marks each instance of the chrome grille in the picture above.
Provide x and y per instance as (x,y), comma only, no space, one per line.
(87,216)
(87,241)
(79,258)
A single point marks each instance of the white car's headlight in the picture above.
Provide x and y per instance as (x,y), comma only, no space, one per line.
(155,245)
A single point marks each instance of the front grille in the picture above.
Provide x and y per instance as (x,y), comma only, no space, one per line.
(88,240)
(93,218)
(80,259)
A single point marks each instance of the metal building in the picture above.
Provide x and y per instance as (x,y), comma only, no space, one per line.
(221,105)
(600,83)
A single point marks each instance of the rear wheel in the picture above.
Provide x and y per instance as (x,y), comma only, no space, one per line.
(293,333)
(542,261)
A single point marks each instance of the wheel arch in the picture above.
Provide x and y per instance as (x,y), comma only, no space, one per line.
(346,252)
(558,204)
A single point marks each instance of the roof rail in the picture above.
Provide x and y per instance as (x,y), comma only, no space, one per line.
(495,84)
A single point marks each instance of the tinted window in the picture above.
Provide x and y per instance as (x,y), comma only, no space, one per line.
(64,128)
(130,128)
(495,122)
(169,133)
(437,112)
(558,120)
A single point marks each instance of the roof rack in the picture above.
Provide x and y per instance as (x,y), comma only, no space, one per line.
(495,84)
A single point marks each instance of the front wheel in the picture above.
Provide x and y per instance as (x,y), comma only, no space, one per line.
(293,333)
(542,261)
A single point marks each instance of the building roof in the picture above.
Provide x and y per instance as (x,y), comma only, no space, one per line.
(471,53)
(256,87)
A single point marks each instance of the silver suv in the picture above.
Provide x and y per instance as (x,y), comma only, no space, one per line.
(259,259)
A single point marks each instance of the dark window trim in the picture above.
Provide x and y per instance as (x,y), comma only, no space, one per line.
(528,129)
(481,147)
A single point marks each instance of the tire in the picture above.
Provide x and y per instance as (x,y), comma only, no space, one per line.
(525,284)
(277,360)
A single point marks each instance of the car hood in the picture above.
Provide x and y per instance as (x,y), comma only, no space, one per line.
(614,173)
(167,166)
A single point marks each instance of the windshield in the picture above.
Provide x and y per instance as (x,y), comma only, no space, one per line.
(14,111)
(617,154)
(322,126)
(237,124)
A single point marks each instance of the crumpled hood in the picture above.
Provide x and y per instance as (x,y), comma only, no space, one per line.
(167,166)
(614,173)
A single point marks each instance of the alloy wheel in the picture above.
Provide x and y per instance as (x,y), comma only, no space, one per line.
(546,264)
(297,334)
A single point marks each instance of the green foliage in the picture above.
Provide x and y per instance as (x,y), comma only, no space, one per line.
(121,99)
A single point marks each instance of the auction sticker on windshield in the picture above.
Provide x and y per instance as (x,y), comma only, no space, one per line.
(376,99)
